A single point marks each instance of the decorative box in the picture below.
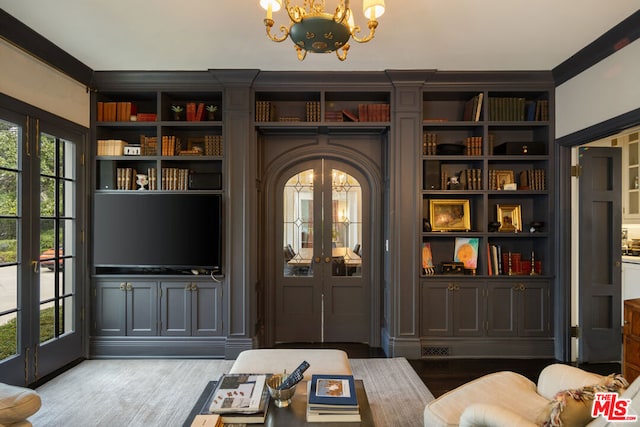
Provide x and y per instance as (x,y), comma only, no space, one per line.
(452,268)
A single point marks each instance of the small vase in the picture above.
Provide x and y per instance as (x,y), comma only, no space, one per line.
(177,116)
(211,115)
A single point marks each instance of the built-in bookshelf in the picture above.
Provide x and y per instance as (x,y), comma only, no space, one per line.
(172,139)
(487,213)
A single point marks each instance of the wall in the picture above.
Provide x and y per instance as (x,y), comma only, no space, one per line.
(25,78)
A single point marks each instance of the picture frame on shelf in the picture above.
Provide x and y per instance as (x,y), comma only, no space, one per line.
(510,218)
(450,215)
(503,178)
(466,251)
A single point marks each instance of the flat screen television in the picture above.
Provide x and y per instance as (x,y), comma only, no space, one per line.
(158,231)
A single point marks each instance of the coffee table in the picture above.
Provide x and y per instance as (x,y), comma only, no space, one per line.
(295,414)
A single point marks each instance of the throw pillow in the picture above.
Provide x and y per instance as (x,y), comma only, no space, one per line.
(572,408)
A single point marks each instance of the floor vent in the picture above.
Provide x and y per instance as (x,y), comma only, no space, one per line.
(430,351)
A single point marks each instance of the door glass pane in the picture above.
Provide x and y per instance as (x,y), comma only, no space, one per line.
(346,228)
(57,235)
(298,225)
(10,136)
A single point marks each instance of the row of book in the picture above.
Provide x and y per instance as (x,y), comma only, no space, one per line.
(472,145)
(116,111)
(518,109)
(111,147)
(175,179)
(510,263)
(472,108)
(266,112)
(529,179)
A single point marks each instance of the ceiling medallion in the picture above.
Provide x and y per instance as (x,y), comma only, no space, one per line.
(310,20)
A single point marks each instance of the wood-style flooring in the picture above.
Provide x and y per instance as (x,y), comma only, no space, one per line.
(443,375)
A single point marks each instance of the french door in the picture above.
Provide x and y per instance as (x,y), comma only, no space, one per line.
(322,291)
(40,207)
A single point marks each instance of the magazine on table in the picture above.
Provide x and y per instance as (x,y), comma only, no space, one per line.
(238,393)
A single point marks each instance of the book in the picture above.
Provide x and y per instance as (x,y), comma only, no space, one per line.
(207,420)
(226,418)
(331,413)
(238,393)
(328,391)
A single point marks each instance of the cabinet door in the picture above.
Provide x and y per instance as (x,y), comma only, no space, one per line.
(142,308)
(109,314)
(468,310)
(451,308)
(534,310)
(206,309)
(175,308)
(437,319)
(502,305)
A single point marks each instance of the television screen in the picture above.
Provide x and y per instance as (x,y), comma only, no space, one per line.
(175,231)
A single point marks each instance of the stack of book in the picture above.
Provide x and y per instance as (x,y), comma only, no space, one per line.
(332,398)
(240,399)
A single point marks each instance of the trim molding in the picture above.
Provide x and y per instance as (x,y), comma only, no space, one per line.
(20,35)
(602,129)
(621,35)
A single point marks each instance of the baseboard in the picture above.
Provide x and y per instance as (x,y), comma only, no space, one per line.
(164,347)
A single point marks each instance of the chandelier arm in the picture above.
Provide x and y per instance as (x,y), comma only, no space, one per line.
(372,30)
(296,13)
(341,53)
(342,12)
(268,23)
(301,53)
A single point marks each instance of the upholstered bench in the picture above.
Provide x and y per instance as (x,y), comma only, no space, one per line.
(17,404)
(266,360)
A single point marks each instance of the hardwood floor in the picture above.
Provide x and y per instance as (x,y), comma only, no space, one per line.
(443,375)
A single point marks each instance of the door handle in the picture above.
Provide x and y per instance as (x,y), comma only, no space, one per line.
(36,266)
(317,260)
(327,260)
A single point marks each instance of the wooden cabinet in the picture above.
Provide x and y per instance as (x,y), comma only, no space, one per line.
(631,340)
(190,308)
(125,308)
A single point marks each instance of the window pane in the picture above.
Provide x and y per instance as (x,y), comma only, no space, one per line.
(346,228)
(8,241)
(8,336)
(298,224)
(8,192)
(10,135)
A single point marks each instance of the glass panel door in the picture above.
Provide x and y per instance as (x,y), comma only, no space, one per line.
(346,224)
(39,236)
(10,177)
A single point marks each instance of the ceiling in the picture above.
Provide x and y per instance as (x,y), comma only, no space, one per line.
(413,34)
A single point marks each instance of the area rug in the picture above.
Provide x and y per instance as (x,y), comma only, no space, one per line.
(161,392)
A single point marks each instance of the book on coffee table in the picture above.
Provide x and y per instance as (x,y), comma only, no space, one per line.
(238,393)
(332,398)
(255,417)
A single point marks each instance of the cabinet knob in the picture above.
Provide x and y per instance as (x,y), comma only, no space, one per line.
(123,286)
(129,286)
(327,260)
(194,287)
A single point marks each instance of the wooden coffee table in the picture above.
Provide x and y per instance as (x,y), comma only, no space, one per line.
(295,414)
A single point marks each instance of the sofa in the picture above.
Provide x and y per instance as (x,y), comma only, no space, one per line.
(17,404)
(508,399)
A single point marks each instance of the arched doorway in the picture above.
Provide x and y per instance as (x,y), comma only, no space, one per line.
(322,243)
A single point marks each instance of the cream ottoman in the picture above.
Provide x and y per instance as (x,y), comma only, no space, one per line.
(17,404)
(270,361)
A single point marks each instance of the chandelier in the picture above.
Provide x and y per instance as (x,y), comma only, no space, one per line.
(313,30)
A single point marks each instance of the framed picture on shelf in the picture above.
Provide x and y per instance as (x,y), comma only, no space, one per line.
(510,218)
(503,178)
(466,252)
(450,215)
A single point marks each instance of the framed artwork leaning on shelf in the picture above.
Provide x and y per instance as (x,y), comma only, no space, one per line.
(509,217)
(450,215)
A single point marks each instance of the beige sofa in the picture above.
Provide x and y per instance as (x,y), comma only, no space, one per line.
(508,399)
